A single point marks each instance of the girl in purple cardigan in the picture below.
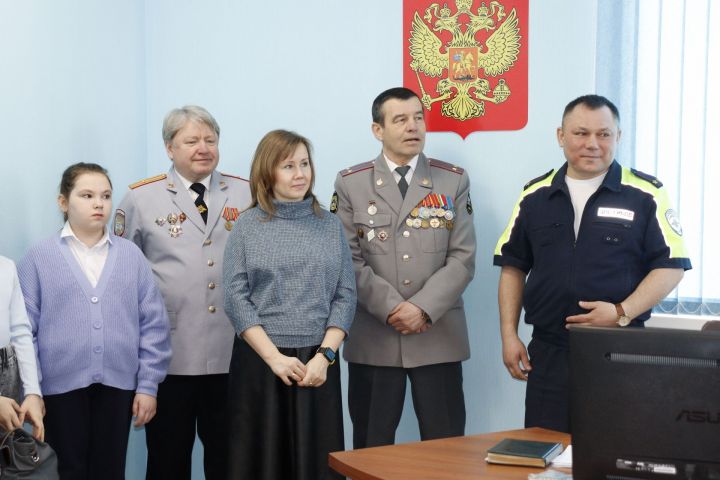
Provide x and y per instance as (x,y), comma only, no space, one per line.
(100,329)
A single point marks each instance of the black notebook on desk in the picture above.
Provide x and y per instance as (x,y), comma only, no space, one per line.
(528,453)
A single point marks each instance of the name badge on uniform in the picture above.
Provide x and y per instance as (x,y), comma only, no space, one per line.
(621,213)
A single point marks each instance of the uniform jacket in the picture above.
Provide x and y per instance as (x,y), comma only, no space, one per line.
(394,262)
(186,256)
(627,229)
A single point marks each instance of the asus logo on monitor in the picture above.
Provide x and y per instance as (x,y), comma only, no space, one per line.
(697,416)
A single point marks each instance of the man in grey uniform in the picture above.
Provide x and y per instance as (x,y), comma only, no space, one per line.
(408,220)
(181,221)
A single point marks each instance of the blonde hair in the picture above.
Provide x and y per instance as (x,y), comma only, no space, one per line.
(275,147)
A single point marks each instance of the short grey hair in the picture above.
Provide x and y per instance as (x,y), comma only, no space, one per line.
(178,117)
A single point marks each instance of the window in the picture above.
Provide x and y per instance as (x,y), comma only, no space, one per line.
(660,61)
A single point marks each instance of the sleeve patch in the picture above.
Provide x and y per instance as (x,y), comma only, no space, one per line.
(674,221)
(119,223)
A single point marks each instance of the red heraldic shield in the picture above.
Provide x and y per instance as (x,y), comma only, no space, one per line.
(468,63)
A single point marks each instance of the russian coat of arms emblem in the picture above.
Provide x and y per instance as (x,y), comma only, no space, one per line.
(468,64)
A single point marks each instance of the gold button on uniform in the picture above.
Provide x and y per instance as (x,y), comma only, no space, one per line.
(211,285)
(211,309)
(211,263)
(406,234)
(207,242)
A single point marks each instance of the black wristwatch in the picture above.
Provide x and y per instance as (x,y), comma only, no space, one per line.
(328,353)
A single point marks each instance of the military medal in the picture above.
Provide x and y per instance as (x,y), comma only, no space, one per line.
(230,214)
(371,235)
(449,215)
(372,209)
(334,203)
(449,224)
(415,212)
(424,212)
(360,233)
(409,222)
(434,222)
(441,222)
(382,235)
(175,231)
(160,221)
(417,223)
(182,217)
(424,223)
(172,218)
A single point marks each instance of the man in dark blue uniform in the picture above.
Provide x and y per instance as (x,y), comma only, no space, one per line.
(591,243)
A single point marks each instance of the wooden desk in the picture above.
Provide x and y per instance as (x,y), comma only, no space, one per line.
(454,458)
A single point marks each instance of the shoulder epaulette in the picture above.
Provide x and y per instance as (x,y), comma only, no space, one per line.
(647,177)
(357,168)
(234,176)
(538,179)
(147,181)
(445,166)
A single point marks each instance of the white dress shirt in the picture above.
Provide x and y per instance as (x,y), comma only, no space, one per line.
(91,259)
(193,194)
(408,176)
(15,326)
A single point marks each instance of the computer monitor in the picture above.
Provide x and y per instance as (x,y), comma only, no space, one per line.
(644,403)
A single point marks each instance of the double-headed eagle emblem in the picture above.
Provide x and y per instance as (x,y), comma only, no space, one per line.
(464,91)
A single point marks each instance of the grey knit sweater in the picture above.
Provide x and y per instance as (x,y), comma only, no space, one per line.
(293,274)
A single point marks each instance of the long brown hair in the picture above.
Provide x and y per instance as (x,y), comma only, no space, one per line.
(275,147)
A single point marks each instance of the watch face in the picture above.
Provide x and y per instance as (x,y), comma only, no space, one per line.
(328,353)
(624,321)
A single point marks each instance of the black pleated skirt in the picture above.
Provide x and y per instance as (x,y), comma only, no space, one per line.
(280,432)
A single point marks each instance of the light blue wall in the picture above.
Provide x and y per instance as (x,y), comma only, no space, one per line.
(72,88)
(92,80)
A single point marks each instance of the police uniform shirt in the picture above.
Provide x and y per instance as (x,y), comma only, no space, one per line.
(627,229)
(402,254)
(186,254)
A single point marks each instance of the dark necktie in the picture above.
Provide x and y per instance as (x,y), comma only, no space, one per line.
(402,184)
(199,188)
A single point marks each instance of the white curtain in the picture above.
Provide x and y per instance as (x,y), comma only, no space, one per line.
(659,60)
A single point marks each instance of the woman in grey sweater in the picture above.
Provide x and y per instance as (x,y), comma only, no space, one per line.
(290,293)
